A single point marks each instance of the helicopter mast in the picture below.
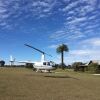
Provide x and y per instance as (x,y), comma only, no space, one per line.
(42,58)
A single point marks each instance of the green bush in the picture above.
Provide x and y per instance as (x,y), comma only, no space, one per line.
(94,68)
(29,65)
(76,66)
(2,63)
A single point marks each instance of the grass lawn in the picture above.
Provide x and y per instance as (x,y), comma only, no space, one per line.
(24,84)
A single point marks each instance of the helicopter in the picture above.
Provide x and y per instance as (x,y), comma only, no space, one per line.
(43,65)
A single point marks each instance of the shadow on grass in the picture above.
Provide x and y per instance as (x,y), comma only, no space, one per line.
(51,76)
(54,76)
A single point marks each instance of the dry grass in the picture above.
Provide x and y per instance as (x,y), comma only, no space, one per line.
(24,84)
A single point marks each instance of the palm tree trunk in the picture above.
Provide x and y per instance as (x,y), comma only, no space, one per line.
(62,59)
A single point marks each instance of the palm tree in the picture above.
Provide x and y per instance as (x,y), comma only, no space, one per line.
(60,49)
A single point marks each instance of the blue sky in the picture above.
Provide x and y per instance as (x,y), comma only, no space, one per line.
(47,23)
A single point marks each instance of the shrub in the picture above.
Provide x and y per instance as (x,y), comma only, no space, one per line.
(94,68)
(76,66)
(29,65)
(2,63)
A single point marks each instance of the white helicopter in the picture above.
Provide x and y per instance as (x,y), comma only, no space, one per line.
(43,65)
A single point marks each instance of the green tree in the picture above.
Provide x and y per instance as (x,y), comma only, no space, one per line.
(93,67)
(2,63)
(60,49)
(76,66)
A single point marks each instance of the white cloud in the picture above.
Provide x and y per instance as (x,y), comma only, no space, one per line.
(92,17)
(96,42)
(40,3)
(92,26)
(69,18)
(44,8)
(91,2)
(76,36)
(82,55)
(88,54)
(88,31)
(85,10)
(58,35)
(2,10)
(78,24)
(71,5)
(3,24)
(88,49)
(13,9)
(54,46)
(92,41)
(81,52)
(77,20)
(68,33)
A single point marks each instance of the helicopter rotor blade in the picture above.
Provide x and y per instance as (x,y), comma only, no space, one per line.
(48,54)
(36,49)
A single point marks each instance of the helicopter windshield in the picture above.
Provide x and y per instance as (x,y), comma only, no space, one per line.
(46,63)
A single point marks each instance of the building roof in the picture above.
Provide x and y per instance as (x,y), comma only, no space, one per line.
(95,61)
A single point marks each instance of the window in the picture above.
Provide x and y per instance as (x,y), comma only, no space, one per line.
(48,63)
(44,63)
